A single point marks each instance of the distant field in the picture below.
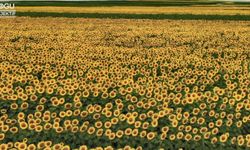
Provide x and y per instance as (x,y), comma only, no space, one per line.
(186,10)
(131,3)
(205,10)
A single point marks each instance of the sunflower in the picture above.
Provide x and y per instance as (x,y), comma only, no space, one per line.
(62,114)
(107,124)
(248,143)
(223,138)
(84,114)
(74,129)
(13,130)
(197,137)
(66,147)
(239,124)
(128,131)
(109,148)
(179,135)
(22,146)
(114,120)
(145,125)
(91,130)
(195,130)
(47,126)
(21,115)
(172,137)
(200,120)
(241,141)
(23,125)
(151,135)
(179,116)
(119,133)
(108,114)
(215,131)
(112,94)
(3,146)
(163,136)
(2,136)
(76,112)
(104,95)
(78,105)
(193,119)
(40,108)
(14,106)
(218,122)
(135,132)
(69,113)
(83,128)
(188,128)
(38,114)
(195,111)
(59,130)
(188,137)
(83,147)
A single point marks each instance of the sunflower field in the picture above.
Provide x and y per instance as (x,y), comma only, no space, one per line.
(75,83)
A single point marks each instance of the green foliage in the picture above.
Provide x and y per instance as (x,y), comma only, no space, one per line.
(136,16)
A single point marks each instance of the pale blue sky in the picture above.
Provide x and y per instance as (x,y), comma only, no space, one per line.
(118,0)
(114,0)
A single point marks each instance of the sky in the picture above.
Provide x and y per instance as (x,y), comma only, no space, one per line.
(116,0)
